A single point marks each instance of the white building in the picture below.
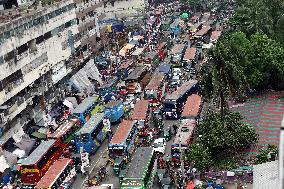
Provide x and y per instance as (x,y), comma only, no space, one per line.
(39,46)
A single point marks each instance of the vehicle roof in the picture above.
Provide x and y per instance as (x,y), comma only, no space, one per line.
(159,140)
(113,103)
(125,65)
(62,129)
(136,73)
(91,124)
(155,82)
(122,132)
(215,35)
(203,31)
(109,82)
(190,53)
(85,104)
(164,68)
(36,155)
(181,90)
(183,137)
(140,110)
(192,106)
(161,45)
(177,48)
(140,160)
(53,173)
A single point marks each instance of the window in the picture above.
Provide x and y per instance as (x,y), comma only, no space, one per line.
(47,35)
(67,24)
(9,56)
(1,60)
(97,130)
(39,39)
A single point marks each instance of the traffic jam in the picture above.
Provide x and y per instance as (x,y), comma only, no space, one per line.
(153,84)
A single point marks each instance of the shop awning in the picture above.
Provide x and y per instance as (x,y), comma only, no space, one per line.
(39,135)
(138,51)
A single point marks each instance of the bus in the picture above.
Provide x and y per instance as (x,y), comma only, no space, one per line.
(141,171)
(192,107)
(183,139)
(173,103)
(141,112)
(92,134)
(133,81)
(84,109)
(65,132)
(190,56)
(176,54)
(123,144)
(154,91)
(60,175)
(39,161)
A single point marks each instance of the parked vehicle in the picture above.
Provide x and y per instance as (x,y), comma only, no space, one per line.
(92,134)
(123,144)
(173,103)
(60,175)
(160,145)
(114,111)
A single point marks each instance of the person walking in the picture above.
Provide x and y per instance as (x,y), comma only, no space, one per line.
(175,129)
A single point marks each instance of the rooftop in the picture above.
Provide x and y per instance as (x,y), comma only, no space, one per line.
(181,90)
(140,110)
(266,175)
(177,48)
(53,173)
(155,82)
(192,106)
(183,135)
(203,31)
(140,160)
(190,53)
(62,129)
(122,132)
(85,104)
(37,154)
(91,124)
(136,73)
(215,35)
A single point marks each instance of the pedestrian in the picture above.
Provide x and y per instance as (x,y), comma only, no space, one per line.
(175,128)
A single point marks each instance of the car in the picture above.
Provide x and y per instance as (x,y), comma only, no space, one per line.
(160,145)
(177,71)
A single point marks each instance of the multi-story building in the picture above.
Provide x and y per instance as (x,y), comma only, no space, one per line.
(39,45)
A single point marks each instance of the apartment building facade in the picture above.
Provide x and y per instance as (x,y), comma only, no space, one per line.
(39,47)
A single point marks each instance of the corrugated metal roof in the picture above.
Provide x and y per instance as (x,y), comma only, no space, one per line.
(266,175)
(62,129)
(87,103)
(122,132)
(203,31)
(53,173)
(178,48)
(36,155)
(91,124)
(215,35)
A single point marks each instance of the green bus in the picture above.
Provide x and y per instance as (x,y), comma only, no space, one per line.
(141,171)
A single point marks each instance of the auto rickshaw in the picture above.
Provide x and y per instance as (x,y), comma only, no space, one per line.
(119,164)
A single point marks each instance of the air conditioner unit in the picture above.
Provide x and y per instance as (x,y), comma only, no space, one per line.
(2,118)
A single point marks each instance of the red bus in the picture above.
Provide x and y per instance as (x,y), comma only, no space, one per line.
(192,107)
(154,91)
(66,132)
(39,161)
(141,112)
(60,175)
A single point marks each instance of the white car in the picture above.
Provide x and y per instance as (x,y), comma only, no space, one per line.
(160,145)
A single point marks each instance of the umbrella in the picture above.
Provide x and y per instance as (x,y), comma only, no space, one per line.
(184,15)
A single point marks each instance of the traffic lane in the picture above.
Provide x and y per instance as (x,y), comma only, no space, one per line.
(80,180)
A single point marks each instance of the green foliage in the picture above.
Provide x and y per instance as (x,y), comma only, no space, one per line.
(200,155)
(233,134)
(259,16)
(268,153)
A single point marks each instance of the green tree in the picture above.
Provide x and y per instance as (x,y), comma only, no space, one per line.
(268,153)
(200,156)
(222,77)
(230,134)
